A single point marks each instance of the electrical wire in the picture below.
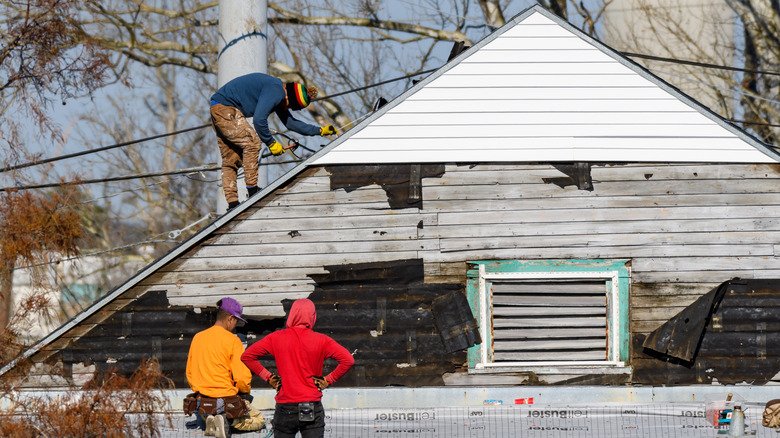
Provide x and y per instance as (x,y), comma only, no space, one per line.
(699,64)
(101,149)
(129,177)
(354,90)
(730,90)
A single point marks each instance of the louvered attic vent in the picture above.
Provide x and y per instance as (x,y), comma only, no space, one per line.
(550,316)
(559,321)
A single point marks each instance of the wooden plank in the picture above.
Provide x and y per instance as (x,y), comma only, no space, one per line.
(603,227)
(674,289)
(548,322)
(172,278)
(286,211)
(617,188)
(552,344)
(306,236)
(655,313)
(549,333)
(549,301)
(302,261)
(322,248)
(651,258)
(671,276)
(546,287)
(500,312)
(510,173)
(611,214)
(564,201)
(701,240)
(386,219)
(706,263)
(549,356)
(662,300)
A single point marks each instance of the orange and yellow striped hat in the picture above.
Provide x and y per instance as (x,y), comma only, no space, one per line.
(297,96)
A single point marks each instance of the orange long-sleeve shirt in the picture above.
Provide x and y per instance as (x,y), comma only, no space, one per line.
(214,366)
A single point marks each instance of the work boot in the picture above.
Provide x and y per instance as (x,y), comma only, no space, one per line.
(222,429)
(211,426)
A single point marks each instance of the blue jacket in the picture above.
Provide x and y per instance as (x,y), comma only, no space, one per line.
(256,95)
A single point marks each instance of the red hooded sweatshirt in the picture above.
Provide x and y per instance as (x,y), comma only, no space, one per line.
(299,353)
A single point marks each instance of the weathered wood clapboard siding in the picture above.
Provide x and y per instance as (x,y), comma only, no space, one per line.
(685,228)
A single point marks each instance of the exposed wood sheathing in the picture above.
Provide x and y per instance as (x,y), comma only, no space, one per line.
(685,228)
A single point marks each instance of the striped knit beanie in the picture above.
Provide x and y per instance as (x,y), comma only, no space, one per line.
(299,97)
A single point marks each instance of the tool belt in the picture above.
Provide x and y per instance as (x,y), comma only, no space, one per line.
(235,407)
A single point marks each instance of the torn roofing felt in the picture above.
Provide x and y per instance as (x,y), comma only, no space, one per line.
(681,336)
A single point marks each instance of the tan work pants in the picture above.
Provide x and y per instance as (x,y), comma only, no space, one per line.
(238,144)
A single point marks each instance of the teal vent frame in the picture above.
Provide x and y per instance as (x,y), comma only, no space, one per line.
(615,273)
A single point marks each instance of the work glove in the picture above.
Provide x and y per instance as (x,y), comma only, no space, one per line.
(320,382)
(276,148)
(251,190)
(246,396)
(328,130)
(275,381)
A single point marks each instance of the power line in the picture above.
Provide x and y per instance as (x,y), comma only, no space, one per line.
(699,64)
(101,149)
(129,177)
(116,178)
(354,90)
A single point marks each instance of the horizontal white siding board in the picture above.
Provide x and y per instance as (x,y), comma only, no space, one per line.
(536,43)
(471,130)
(525,118)
(562,56)
(695,149)
(518,104)
(387,155)
(605,94)
(538,68)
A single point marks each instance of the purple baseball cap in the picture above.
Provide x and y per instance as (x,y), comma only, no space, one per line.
(231,306)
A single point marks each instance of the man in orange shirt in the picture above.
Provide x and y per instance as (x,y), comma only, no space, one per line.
(214,367)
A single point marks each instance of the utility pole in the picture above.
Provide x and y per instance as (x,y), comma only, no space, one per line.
(243,49)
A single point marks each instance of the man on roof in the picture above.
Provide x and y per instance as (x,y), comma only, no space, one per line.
(255,95)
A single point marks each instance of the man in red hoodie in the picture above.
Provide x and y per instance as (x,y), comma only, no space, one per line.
(299,353)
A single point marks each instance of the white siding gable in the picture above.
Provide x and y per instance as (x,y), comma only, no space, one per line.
(539,92)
